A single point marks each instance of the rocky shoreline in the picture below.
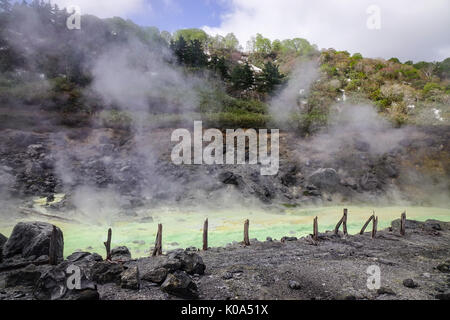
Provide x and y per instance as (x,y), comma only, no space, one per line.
(415,266)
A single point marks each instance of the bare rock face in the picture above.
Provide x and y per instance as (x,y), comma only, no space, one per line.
(326,179)
(32,239)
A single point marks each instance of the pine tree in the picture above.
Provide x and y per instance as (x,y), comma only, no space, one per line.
(196,56)
(219,66)
(242,77)
(270,78)
(180,49)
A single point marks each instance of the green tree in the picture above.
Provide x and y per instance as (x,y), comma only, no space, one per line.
(298,45)
(191,35)
(277,46)
(231,42)
(196,56)
(219,66)
(270,78)
(263,45)
(180,49)
(427,68)
(242,77)
(216,43)
(443,69)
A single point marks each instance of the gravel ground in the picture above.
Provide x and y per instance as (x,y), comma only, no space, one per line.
(335,268)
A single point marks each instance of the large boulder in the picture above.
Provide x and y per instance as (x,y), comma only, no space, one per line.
(27,276)
(32,239)
(106,272)
(170,263)
(81,257)
(3,240)
(54,285)
(120,254)
(129,279)
(181,285)
(84,260)
(191,262)
(157,275)
(325,179)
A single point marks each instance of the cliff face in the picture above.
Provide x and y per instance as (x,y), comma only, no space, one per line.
(411,167)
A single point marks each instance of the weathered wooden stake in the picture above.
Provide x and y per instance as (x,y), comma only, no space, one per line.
(53,255)
(157,251)
(315,230)
(403,224)
(246,238)
(342,221)
(372,217)
(374,227)
(344,225)
(205,235)
(108,245)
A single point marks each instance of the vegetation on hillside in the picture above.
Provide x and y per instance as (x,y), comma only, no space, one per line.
(44,64)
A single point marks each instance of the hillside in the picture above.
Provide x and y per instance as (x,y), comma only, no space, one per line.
(48,68)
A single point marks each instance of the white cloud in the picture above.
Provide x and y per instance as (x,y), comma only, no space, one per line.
(106,8)
(410,29)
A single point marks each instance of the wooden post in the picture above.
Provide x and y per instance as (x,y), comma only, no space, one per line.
(315,230)
(246,238)
(53,255)
(403,224)
(205,235)
(372,217)
(336,229)
(342,221)
(157,251)
(108,245)
(374,227)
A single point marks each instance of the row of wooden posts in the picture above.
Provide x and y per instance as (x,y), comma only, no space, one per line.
(158,242)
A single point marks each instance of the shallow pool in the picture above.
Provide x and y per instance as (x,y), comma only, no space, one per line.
(183,229)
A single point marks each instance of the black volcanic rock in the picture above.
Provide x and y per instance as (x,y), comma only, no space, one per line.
(30,239)
(3,240)
(120,254)
(181,285)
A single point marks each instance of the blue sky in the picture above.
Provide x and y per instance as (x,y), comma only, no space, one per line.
(407,29)
(173,15)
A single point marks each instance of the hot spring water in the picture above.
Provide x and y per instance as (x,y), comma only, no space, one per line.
(182,229)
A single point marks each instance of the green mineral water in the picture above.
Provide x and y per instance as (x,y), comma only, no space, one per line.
(182,229)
